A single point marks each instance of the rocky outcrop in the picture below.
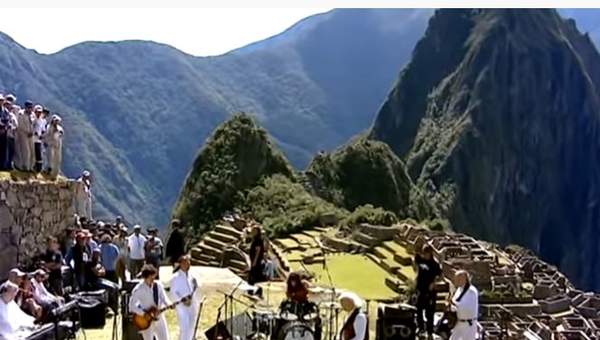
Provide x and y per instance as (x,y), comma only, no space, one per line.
(29,212)
(498,119)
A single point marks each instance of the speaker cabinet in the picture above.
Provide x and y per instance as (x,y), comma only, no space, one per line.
(396,322)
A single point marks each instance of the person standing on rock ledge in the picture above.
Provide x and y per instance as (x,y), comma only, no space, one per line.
(24,138)
(83,196)
(53,139)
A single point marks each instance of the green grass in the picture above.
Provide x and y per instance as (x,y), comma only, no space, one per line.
(288,243)
(356,273)
(398,249)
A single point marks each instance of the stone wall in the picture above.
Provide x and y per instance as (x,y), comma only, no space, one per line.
(30,211)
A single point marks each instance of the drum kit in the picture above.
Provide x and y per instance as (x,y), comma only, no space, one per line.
(297,320)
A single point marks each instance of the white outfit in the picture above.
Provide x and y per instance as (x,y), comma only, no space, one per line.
(54,140)
(466,309)
(142,299)
(12,318)
(41,295)
(83,198)
(24,142)
(39,128)
(182,285)
(136,246)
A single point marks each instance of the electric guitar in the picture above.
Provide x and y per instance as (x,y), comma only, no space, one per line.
(144,321)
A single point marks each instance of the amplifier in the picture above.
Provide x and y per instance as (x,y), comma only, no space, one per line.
(396,322)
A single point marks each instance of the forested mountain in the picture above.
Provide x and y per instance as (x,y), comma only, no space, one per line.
(498,119)
(136,112)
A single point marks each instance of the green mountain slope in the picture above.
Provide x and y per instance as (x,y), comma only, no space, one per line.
(502,131)
(136,112)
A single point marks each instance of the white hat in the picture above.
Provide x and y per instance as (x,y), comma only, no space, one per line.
(56,118)
(358,302)
(37,108)
(85,173)
(17,272)
(10,98)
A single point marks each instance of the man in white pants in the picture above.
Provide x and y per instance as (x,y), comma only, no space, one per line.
(465,302)
(183,285)
(83,195)
(146,295)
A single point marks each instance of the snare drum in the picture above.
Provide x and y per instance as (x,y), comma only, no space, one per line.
(263,322)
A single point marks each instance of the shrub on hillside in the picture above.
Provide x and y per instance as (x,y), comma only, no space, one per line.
(371,215)
(285,207)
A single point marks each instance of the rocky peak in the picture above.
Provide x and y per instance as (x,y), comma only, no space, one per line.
(497,117)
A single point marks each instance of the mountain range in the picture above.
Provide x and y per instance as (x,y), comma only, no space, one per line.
(136,112)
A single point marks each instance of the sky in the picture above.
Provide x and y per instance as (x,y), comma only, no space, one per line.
(197,31)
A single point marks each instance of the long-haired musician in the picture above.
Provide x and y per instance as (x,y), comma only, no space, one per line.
(149,295)
(465,302)
(355,327)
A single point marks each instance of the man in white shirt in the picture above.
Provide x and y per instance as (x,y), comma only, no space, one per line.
(146,296)
(184,286)
(41,295)
(135,244)
(465,302)
(12,318)
(355,326)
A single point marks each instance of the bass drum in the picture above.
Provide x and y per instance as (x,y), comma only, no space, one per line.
(296,331)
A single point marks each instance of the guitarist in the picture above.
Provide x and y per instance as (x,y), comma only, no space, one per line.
(465,303)
(148,296)
(183,285)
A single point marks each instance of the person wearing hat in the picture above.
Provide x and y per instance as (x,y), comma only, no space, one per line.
(39,129)
(355,326)
(184,287)
(24,138)
(83,196)
(41,295)
(12,318)
(135,247)
(53,140)
(53,260)
(153,249)
(176,243)
(150,295)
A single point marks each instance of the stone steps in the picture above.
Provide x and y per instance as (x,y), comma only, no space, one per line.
(236,264)
(209,250)
(225,238)
(214,243)
(228,230)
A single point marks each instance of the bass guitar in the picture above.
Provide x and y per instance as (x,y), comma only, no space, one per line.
(144,321)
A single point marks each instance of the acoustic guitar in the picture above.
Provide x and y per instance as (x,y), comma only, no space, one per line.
(143,322)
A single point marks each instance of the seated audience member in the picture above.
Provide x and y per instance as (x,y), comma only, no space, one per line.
(53,260)
(27,300)
(12,318)
(41,295)
(94,271)
(109,254)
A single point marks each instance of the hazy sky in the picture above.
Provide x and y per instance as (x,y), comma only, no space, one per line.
(201,31)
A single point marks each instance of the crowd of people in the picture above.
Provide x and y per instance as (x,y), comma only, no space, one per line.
(31,137)
(96,252)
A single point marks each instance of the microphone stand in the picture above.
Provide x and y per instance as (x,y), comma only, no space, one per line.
(333,295)
(198,317)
